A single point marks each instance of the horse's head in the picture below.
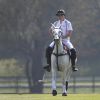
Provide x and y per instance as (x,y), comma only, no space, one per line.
(57,33)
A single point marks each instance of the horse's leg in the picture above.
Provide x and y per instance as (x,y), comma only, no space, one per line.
(68,74)
(64,83)
(53,69)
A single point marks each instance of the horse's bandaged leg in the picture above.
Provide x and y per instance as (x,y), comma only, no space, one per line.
(64,89)
(53,85)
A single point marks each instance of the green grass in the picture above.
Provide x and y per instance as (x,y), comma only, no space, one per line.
(49,97)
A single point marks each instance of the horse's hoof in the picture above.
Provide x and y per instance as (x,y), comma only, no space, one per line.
(64,94)
(54,92)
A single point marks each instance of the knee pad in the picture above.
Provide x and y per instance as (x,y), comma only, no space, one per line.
(49,51)
(73,53)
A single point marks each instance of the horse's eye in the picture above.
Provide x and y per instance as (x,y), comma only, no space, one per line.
(59,32)
(52,31)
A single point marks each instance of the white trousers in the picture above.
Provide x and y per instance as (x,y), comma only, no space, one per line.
(66,42)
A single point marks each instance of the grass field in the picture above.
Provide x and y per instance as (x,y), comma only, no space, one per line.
(49,97)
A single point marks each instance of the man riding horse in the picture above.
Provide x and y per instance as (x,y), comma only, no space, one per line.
(67,29)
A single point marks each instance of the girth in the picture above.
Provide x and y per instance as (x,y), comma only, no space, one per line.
(60,54)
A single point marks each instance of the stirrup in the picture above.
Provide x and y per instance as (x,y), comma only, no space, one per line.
(47,68)
(74,69)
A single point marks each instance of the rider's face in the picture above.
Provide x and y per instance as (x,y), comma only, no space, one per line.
(61,17)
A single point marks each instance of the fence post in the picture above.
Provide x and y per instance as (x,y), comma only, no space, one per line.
(93,84)
(74,84)
(17,87)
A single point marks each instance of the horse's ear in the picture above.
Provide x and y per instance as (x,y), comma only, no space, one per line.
(60,27)
(52,26)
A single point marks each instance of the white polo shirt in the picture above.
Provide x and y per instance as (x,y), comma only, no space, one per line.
(65,26)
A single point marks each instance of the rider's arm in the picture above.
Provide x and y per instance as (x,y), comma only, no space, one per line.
(69,30)
(68,34)
(50,31)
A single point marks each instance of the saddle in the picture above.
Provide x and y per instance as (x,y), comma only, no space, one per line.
(67,50)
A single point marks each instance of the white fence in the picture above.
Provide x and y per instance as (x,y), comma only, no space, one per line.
(76,85)
(79,85)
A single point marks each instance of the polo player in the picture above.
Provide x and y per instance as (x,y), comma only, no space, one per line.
(67,29)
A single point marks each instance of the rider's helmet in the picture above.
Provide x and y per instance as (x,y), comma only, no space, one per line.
(60,12)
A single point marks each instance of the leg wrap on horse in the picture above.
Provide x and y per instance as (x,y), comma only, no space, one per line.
(73,56)
(66,85)
(48,54)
